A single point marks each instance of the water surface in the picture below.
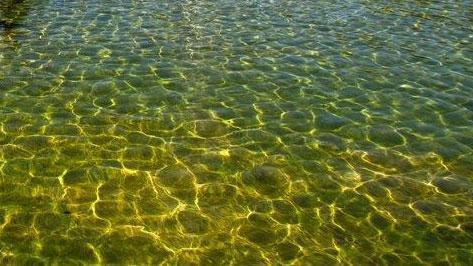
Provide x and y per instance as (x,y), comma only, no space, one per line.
(236,132)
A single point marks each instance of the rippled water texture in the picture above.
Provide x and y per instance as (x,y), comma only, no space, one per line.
(236,132)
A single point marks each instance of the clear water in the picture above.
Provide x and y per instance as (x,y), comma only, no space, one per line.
(236,132)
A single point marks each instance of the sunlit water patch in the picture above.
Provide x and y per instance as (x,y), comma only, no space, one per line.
(236,132)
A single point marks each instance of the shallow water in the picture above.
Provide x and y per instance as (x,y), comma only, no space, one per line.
(247,132)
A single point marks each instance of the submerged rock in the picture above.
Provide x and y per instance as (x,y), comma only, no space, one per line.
(216,195)
(119,247)
(257,235)
(210,128)
(141,152)
(175,176)
(329,121)
(285,212)
(451,185)
(267,180)
(288,251)
(385,136)
(103,87)
(193,222)
(429,207)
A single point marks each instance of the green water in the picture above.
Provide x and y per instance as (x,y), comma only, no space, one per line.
(236,132)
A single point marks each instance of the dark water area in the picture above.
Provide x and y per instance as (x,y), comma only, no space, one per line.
(236,132)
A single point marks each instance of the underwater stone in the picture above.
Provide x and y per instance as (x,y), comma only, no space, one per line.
(80,195)
(50,222)
(61,129)
(267,180)
(240,154)
(388,159)
(385,136)
(448,233)
(138,153)
(172,98)
(150,205)
(17,167)
(159,96)
(204,175)
(138,138)
(110,190)
(285,212)
(38,87)
(214,195)
(134,181)
(263,206)
(331,142)
(260,220)
(104,53)
(103,87)
(305,200)
(114,209)
(354,204)
(389,182)
(374,189)
(451,185)
(297,120)
(257,235)
(216,256)
(60,247)
(176,176)
(429,207)
(288,251)
(3,214)
(75,152)
(210,128)
(323,182)
(193,222)
(120,248)
(75,177)
(467,227)
(379,221)
(34,143)
(186,195)
(247,254)
(103,101)
(11,259)
(329,121)
(12,124)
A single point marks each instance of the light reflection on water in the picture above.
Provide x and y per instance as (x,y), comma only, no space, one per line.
(255,132)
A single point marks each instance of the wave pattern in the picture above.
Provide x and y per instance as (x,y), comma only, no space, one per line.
(247,132)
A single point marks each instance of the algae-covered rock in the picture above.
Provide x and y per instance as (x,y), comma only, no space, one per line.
(210,128)
(193,222)
(257,235)
(385,136)
(288,251)
(452,185)
(267,180)
(216,195)
(329,121)
(285,212)
(121,248)
(175,176)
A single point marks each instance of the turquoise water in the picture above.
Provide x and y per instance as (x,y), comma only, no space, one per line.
(236,132)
